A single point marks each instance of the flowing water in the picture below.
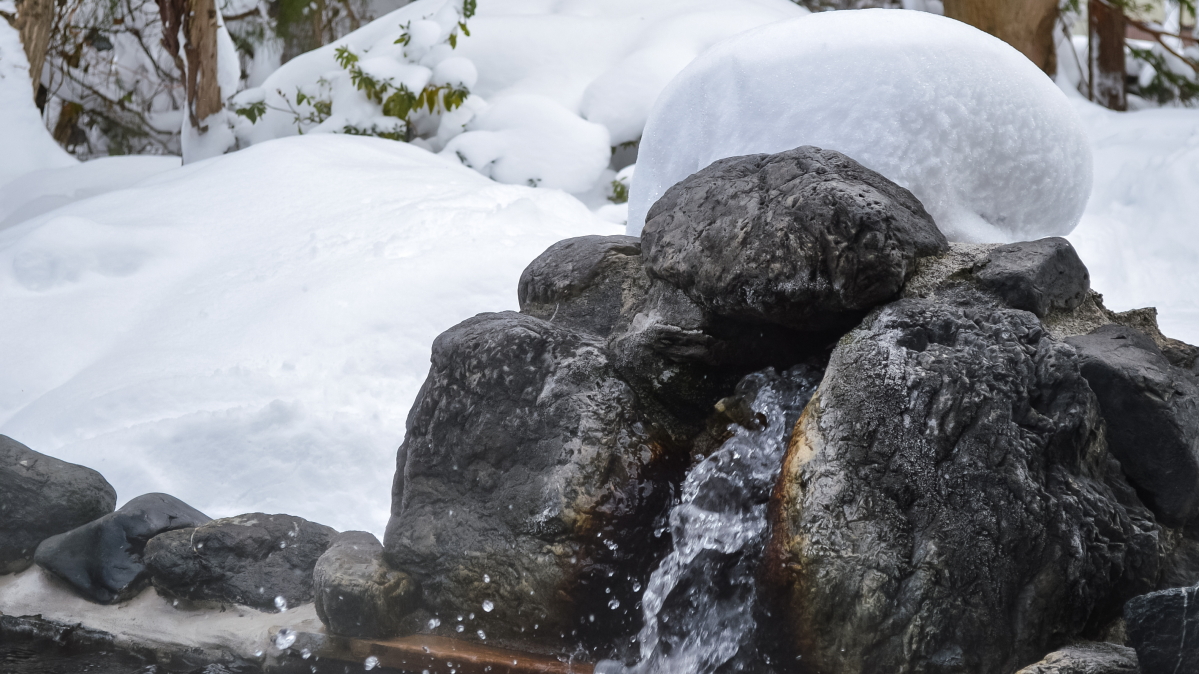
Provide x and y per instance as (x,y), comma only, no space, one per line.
(701,606)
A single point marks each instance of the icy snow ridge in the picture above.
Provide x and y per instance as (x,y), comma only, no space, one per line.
(981,136)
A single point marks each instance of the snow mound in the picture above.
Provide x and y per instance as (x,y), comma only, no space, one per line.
(44,190)
(574,70)
(981,136)
(248,333)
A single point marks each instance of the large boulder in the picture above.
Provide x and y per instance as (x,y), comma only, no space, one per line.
(1152,414)
(1163,627)
(1087,658)
(258,560)
(1038,276)
(806,238)
(41,496)
(102,559)
(356,594)
(590,283)
(947,503)
(527,481)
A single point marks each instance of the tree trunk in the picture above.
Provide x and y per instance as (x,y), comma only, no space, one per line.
(1027,25)
(35,19)
(1105,55)
(197,56)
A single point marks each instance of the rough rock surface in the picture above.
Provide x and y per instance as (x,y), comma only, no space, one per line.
(1152,414)
(1038,276)
(356,594)
(1087,658)
(1163,627)
(589,283)
(41,496)
(249,559)
(947,503)
(526,480)
(806,238)
(102,559)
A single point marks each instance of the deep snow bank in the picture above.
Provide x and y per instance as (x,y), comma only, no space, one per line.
(559,84)
(1140,232)
(981,136)
(248,333)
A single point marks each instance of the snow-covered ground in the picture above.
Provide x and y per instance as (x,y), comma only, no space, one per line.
(249,332)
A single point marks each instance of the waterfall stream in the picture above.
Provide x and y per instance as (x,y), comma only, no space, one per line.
(701,605)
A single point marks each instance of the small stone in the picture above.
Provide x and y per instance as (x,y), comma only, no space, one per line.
(1163,627)
(1038,276)
(356,594)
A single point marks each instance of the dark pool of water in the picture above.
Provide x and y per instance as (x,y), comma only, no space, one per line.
(47,657)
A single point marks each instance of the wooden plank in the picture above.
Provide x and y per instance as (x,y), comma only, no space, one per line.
(439,655)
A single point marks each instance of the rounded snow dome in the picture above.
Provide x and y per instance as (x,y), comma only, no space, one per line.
(979,134)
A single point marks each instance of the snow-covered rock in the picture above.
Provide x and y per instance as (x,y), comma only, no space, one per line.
(981,136)
(248,333)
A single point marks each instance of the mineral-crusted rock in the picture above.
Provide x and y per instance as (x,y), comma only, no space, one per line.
(527,481)
(947,503)
(1087,658)
(1179,353)
(1152,414)
(590,283)
(806,238)
(1163,627)
(251,559)
(1038,276)
(41,496)
(356,594)
(102,559)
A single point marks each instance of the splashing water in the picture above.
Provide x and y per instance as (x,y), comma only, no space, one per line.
(701,604)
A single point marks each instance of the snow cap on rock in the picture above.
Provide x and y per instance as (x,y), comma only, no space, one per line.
(978,133)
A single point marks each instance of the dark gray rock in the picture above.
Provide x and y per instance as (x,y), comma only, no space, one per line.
(356,594)
(806,238)
(527,481)
(590,283)
(1163,627)
(1038,276)
(1179,353)
(102,559)
(41,496)
(249,559)
(1152,414)
(1087,658)
(947,503)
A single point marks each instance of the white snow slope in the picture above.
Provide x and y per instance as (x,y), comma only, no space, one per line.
(979,134)
(248,333)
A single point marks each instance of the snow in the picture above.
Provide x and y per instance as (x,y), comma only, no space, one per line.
(602,62)
(1139,235)
(532,140)
(248,333)
(44,190)
(979,134)
(27,145)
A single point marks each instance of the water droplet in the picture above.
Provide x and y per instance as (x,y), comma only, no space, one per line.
(284,638)
(305,653)
(607,590)
(282,544)
(591,617)
(434,622)
(636,587)
(614,604)
(372,662)
(487,605)
(470,617)
(460,628)
(175,603)
(280,603)
(258,654)
(487,578)
(482,636)
(459,618)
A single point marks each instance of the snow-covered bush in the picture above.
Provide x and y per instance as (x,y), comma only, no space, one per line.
(976,131)
(558,92)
